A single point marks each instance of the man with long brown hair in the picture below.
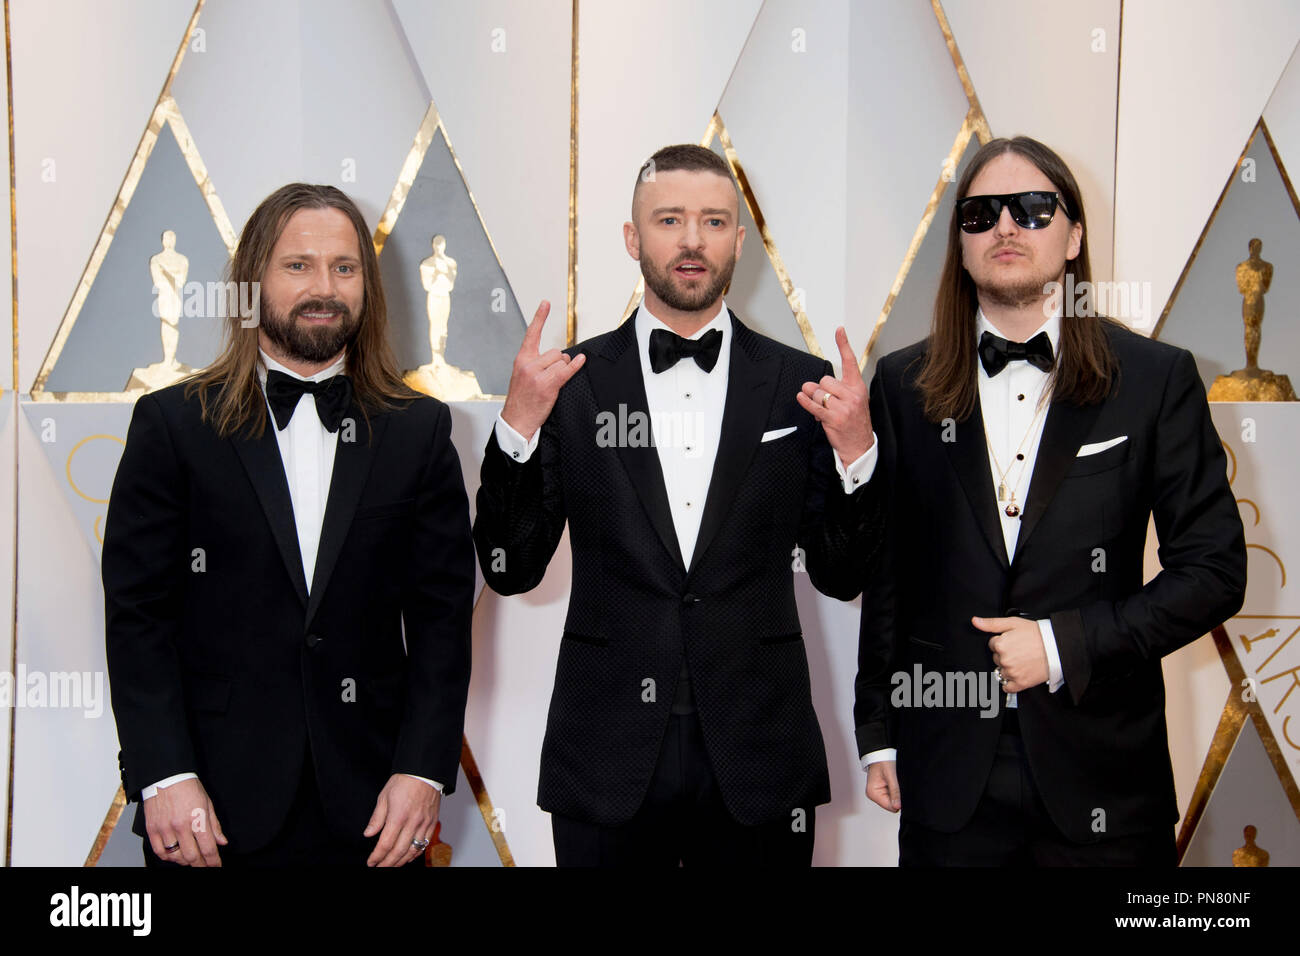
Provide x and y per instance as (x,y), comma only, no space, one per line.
(288,574)
(1010,697)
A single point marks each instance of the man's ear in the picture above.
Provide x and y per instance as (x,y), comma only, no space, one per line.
(632,240)
(740,239)
(1076,241)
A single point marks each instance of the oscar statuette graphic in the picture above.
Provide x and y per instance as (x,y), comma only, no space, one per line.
(1252,383)
(437,377)
(168,269)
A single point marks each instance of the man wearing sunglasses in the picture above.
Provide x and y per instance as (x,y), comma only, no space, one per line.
(1023,448)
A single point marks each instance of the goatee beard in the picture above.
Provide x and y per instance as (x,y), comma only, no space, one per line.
(661,284)
(1013,296)
(310,343)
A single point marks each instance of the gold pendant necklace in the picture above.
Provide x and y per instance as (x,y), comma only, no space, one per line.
(1012,509)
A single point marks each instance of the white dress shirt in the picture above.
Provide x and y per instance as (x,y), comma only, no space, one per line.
(1010,402)
(686,405)
(307,452)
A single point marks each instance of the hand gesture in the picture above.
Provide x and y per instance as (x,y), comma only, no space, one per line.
(536,379)
(840,404)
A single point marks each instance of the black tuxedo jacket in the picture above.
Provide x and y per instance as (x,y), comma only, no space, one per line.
(635,609)
(1097,748)
(221,663)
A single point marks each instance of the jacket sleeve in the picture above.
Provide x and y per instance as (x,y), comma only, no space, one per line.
(436,615)
(144,563)
(877,640)
(839,531)
(521,513)
(1202,550)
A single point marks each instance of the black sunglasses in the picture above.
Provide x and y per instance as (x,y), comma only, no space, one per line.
(1029,210)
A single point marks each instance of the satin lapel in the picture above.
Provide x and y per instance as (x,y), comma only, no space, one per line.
(1063,432)
(352,461)
(261,459)
(969,457)
(751,382)
(616,383)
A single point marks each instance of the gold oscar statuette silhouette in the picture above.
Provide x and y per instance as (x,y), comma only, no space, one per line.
(437,377)
(1250,854)
(168,270)
(1252,383)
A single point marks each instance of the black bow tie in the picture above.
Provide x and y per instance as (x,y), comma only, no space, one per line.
(333,395)
(996,352)
(667,348)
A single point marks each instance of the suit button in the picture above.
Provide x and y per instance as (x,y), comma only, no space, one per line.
(1013,612)
(689,598)
(313,640)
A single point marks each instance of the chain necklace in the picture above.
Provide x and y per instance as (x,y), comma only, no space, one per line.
(1013,509)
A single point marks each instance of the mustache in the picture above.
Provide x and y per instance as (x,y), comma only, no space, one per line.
(1008,246)
(698,258)
(319,305)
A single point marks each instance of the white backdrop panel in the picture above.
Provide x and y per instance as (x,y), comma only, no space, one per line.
(78,117)
(648,75)
(1042,84)
(509,127)
(785,109)
(1193,82)
(905,108)
(320,91)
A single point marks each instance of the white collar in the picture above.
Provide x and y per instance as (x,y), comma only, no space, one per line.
(270,363)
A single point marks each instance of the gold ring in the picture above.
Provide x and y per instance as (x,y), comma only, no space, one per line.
(826,398)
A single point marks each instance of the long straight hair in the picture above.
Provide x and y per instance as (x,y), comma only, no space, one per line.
(1085,369)
(230,395)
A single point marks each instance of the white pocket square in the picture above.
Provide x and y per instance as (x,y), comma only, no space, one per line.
(1095,447)
(778,433)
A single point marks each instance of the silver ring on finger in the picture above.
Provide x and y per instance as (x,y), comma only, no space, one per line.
(173,847)
(419,844)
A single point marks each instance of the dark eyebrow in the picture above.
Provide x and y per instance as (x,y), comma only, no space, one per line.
(663,209)
(716,212)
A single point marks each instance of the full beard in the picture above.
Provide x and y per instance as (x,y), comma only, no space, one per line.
(310,343)
(660,282)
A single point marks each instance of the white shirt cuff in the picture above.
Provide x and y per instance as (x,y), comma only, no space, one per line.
(514,444)
(859,473)
(152,790)
(1055,679)
(433,783)
(878,756)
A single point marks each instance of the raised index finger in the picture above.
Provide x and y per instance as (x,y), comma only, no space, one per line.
(533,334)
(849,371)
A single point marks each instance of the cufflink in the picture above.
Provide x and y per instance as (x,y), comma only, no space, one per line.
(514,454)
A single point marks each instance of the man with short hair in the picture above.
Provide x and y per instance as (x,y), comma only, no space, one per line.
(698,465)
(288,574)
(1023,449)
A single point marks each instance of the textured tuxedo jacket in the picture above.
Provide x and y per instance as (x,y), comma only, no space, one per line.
(1098,747)
(222,664)
(635,609)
